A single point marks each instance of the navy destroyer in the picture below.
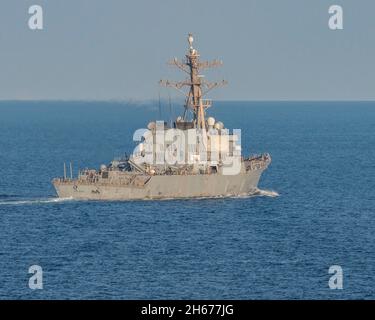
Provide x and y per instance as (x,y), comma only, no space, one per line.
(195,156)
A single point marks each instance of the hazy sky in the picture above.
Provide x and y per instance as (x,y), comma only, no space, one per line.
(117,49)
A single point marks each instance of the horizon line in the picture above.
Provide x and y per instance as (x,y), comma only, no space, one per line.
(150,100)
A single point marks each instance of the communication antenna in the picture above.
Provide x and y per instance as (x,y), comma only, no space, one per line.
(71,171)
(159,107)
(64,171)
(170,110)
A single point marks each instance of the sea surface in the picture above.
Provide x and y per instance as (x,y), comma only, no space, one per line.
(264,247)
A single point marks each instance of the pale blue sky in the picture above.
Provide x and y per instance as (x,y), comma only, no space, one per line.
(117,49)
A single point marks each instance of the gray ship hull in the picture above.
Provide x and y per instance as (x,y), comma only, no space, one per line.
(163,187)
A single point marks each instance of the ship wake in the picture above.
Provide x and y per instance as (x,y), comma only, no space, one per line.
(33,201)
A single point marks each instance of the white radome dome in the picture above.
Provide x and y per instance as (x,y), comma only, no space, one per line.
(210,121)
(151,126)
(219,125)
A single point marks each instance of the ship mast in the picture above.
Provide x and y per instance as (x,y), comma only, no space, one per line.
(197,86)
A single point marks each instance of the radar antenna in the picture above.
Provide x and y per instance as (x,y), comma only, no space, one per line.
(198,86)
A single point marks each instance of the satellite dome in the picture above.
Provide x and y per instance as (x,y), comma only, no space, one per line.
(210,121)
(151,126)
(219,125)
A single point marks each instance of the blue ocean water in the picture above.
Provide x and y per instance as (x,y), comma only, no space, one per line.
(245,248)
